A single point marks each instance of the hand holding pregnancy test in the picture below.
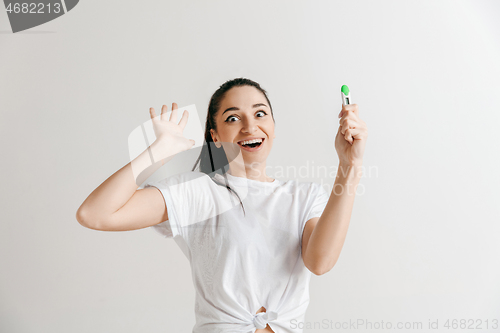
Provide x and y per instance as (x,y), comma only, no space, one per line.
(352,133)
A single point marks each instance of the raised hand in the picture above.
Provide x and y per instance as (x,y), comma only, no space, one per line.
(169,134)
(351,136)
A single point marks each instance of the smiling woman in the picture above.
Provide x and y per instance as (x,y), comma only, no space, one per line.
(251,266)
(244,102)
(246,115)
(246,124)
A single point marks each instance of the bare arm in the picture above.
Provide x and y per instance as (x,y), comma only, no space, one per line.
(117,205)
(324,236)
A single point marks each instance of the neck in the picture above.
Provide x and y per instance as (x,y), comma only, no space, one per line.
(253,172)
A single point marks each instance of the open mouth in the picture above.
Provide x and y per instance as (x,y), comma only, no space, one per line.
(251,144)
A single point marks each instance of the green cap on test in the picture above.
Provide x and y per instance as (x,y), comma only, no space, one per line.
(345,90)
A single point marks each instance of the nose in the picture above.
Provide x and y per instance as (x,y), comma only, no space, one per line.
(249,126)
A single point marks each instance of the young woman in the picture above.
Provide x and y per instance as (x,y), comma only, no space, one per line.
(252,241)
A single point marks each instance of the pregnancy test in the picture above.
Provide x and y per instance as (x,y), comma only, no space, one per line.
(346,96)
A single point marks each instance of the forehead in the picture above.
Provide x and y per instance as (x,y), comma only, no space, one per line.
(242,97)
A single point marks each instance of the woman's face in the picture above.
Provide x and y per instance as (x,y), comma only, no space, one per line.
(244,114)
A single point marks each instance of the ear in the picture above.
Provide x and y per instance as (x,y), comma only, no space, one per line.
(214,138)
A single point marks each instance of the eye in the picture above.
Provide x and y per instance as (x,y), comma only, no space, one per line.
(227,120)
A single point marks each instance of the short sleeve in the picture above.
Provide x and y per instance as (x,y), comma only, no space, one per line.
(170,227)
(318,198)
(189,198)
(164,229)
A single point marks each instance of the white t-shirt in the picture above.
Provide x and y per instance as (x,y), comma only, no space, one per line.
(242,260)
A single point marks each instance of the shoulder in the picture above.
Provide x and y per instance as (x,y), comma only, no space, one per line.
(310,191)
(193,178)
(299,191)
(317,189)
(305,187)
(192,175)
(188,175)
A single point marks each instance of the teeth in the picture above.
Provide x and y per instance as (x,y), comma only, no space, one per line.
(251,141)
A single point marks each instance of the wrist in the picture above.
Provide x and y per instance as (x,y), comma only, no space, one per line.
(162,151)
(353,164)
(350,170)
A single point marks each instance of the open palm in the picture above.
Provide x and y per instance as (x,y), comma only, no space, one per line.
(169,133)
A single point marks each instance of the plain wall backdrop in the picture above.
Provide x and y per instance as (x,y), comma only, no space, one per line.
(423,238)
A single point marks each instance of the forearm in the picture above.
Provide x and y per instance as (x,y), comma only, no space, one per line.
(327,238)
(115,191)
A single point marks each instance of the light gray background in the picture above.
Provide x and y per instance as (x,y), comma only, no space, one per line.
(423,239)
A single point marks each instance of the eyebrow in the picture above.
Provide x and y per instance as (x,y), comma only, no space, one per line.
(236,109)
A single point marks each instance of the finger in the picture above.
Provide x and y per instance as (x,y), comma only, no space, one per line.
(354,134)
(348,114)
(339,133)
(348,136)
(184,119)
(152,113)
(164,110)
(348,108)
(173,115)
(348,123)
